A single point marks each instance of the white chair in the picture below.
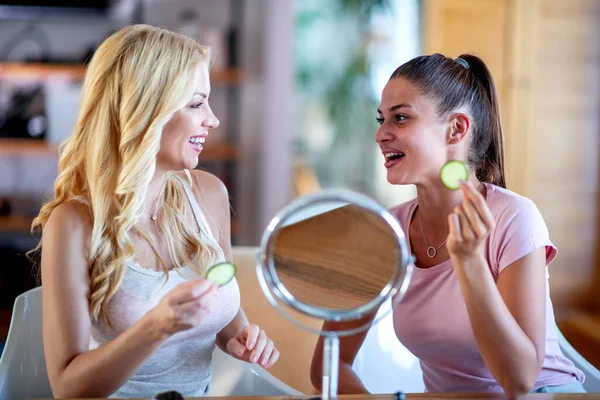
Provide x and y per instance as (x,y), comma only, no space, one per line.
(23,367)
(232,377)
(397,368)
(592,375)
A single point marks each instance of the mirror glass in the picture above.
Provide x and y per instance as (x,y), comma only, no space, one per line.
(335,255)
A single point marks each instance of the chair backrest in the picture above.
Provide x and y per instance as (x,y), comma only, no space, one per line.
(383,363)
(232,377)
(592,374)
(23,366)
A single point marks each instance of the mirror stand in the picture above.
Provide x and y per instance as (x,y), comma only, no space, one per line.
(331,365)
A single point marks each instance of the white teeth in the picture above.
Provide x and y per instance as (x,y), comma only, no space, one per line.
(197,140)
(388,156)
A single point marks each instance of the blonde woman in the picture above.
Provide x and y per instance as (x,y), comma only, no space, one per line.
(131,232)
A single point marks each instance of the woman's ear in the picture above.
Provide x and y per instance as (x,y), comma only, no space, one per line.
(460,123)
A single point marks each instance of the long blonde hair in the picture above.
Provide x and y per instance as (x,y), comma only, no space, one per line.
(135,82)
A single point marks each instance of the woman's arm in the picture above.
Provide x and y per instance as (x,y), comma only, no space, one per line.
(74,370)
(508,316)
(348,381)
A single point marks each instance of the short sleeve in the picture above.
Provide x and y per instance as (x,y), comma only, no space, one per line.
(520,229)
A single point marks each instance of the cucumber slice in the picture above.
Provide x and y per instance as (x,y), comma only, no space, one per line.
(452,172)
(221,273)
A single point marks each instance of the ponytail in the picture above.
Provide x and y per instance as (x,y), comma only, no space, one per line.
(487,155)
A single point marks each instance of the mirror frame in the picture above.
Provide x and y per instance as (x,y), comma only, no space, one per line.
(266,266)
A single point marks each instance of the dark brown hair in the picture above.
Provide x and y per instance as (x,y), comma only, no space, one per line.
(465,82)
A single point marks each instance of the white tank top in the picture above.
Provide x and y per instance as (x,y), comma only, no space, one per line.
(183,362)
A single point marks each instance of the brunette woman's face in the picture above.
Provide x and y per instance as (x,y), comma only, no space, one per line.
(414,139)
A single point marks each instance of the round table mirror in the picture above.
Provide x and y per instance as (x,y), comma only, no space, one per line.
(335,255)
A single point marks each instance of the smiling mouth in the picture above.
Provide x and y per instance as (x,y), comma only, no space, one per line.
(196,143)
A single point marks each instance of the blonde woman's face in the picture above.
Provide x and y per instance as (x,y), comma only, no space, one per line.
(184,136)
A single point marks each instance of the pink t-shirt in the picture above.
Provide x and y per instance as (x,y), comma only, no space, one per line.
(432,320)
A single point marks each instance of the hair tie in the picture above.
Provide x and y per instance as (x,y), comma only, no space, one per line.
(462,62)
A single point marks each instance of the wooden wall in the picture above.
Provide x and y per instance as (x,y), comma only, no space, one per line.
(563,177)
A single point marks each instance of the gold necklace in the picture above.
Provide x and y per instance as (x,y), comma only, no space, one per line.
(432,251)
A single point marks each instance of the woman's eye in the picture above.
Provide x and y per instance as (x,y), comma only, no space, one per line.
(379,120)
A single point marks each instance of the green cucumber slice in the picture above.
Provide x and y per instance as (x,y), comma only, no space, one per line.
(452,172)
(221,273)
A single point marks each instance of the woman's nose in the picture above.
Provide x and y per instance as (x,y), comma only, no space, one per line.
(212,121)
(383,136)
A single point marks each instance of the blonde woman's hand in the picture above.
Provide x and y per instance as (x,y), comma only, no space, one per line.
(470,224)
(184,307)
(251,344)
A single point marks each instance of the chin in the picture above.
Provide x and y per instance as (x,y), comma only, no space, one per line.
(396,179)
(178,165)
(190,164)
(190,159)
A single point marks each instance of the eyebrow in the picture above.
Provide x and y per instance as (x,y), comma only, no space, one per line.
(396,107)
(199,94)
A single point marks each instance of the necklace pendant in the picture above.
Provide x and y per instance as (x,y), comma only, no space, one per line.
(431,252)
(154,217)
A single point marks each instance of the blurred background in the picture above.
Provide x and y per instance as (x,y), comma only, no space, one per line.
(296,84)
